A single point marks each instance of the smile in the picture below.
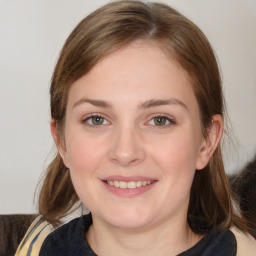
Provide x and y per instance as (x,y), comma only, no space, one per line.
(130,184)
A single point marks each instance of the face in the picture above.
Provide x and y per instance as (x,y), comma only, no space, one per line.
(133,138)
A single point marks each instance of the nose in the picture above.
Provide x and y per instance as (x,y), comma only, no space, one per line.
(127,147)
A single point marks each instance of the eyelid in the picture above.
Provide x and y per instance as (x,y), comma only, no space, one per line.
(87,117)
(171,120)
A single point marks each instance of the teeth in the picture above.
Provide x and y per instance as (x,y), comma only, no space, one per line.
(123,184)
(144,183)
(116,184)
(130,184)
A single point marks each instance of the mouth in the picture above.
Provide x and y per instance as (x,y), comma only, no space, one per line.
(129,184)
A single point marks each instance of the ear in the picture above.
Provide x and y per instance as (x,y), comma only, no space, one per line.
(210,143)
(60,145)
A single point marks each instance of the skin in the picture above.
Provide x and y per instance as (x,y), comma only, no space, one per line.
(145,126)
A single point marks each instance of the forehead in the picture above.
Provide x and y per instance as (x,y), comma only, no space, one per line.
(139,70)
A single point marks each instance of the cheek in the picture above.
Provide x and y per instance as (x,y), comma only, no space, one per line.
(177,159)
(177,154)
(83,154)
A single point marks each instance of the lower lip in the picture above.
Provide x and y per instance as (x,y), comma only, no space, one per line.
(128,192)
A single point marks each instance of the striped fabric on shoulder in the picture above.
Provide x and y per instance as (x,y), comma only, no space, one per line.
(33,239)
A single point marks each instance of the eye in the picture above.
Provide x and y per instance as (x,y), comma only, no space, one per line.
(95,120)
(161,121)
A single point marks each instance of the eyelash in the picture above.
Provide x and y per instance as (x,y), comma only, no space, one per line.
(153,119)
(86,120)
(166,119)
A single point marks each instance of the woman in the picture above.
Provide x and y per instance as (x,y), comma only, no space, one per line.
(137,117)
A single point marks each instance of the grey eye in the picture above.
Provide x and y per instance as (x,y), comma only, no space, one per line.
(160,120)
(96,120)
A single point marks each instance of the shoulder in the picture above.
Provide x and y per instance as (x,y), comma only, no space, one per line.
(34,237)
(246,244)
(71,227)
(215,242)
(68,239)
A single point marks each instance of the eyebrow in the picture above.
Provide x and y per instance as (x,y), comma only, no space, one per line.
(147,104)
(158,102)
(97,103)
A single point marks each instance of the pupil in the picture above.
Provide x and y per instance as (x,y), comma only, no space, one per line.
(97,120)
(160,120)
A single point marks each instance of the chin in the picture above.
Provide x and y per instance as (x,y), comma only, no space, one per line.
(130,219)
(129,223)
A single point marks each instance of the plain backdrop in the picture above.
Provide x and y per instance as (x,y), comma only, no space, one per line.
(32,33)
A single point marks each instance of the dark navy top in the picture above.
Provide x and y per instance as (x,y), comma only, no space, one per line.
(70,240)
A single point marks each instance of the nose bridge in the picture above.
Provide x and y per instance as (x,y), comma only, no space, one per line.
(126,146)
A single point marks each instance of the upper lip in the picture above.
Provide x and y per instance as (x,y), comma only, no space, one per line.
(127,179)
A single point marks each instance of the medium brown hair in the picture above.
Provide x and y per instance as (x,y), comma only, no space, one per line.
(102,32)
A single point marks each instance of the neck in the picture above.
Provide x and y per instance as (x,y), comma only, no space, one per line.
(166,239)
